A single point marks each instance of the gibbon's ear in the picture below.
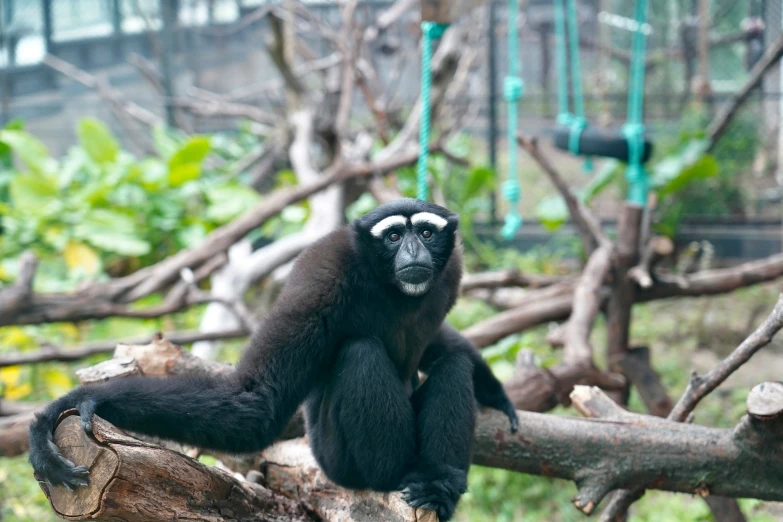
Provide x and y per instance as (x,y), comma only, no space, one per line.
(453,219)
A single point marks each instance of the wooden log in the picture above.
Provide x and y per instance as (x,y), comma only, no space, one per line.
(134,481)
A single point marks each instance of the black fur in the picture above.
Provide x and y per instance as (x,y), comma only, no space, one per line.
(346,341)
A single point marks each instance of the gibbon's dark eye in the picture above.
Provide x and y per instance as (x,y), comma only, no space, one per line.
(394,237)
(426,234)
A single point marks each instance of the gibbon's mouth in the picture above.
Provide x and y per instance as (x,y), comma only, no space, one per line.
(414,290)
(414,275)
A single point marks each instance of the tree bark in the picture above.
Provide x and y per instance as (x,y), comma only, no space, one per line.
(135,481)
(618,324)
(616,447)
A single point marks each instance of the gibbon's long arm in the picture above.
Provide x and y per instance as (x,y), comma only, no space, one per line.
(243,412)
(487,389)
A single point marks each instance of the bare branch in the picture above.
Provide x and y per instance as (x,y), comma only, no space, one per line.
(588,225)
(527,309)
(54,353)
(701,386)
(19,294)
(506,278)
(721,122)
(88,80)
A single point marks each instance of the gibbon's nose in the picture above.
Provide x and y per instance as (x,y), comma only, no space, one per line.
(413,262)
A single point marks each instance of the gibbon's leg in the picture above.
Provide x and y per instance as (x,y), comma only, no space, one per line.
(488,389)
(445,416)
(360,421)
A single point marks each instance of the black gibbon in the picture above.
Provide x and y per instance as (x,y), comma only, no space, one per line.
(361,314)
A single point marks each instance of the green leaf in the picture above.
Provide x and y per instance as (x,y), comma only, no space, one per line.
(191,235)
(601,180)
(5,149)
(184,173)
(675,172)
(32,152)
(32,194)
(166,142)
(226,203)
(552,212)
(111,231)
(479,178)
(98,141)
(185,164)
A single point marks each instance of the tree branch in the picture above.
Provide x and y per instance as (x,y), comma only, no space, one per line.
(588,225)
(698,388)
(540,306)
(504,278)
(54,353)
(721,122)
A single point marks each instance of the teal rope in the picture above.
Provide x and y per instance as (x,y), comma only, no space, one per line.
(513,88)
(634,128)
(564,117)
(576,121)
(576,68)
(430,31)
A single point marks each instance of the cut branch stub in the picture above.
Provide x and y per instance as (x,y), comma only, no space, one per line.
(102,462)
(765,400)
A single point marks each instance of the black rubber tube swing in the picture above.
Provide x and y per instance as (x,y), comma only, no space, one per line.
(572,133)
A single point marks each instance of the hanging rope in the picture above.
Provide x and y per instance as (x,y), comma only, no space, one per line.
(576,121)
(513,88)
(430,31)
(634,127)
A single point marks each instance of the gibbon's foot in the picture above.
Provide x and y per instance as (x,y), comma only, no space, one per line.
(50,466)
(438,488)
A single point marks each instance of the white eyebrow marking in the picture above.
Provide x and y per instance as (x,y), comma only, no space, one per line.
(386,223)
(430,218)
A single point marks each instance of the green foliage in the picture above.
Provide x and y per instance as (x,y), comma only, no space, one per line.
(97,141)
(712,187)
(99,204)
(552,211)
(675,172)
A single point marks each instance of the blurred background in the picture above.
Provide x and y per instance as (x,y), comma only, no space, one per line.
(133,129)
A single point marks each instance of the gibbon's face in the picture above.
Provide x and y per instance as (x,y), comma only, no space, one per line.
(409,242)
